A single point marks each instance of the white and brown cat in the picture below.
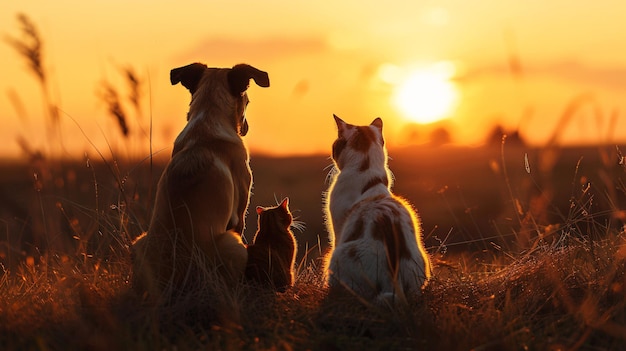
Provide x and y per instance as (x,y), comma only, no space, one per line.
(375,236)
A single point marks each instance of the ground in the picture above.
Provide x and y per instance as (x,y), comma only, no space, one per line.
(527,245)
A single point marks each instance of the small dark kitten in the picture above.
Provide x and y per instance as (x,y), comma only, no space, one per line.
(272,254)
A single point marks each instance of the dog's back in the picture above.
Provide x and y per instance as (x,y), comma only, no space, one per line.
(203,193)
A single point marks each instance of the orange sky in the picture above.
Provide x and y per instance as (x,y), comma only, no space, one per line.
(322,58)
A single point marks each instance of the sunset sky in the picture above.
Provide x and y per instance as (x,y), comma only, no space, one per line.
(473,63)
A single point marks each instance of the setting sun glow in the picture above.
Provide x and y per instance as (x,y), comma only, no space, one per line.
(414,63)
(427,94)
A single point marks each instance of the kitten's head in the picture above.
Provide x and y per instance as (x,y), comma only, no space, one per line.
(359,146)
(277,214)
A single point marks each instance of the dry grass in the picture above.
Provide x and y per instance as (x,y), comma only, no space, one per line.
(563,289)
(556,281)
(557,297)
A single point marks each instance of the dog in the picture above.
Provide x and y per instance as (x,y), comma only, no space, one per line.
(203,193)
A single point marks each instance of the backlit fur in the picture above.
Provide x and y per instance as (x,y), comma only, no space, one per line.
(203,193)
(272,254)
(375,236)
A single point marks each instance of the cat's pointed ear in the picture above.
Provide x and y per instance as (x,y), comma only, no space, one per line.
(259,210)
(285,203)
(378,123)
(189,76)
(341,125)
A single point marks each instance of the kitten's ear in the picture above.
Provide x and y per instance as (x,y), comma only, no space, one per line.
(341,125)
(189,76)
(285,203)
(378,123)
(259,210)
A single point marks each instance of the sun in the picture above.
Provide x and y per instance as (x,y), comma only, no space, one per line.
(427,94)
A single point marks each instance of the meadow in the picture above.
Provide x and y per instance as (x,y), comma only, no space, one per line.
(528,247)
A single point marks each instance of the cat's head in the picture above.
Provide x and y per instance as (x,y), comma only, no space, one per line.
(358,146)
(279,214)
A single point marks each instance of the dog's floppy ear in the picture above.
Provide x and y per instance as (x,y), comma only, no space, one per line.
(244,128)
(189,76)
(239,78)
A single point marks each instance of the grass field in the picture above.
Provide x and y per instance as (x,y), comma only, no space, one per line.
(528,247)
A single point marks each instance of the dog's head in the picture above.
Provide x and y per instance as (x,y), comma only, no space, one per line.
(220,89)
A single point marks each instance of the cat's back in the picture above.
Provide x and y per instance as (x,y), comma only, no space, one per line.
(271,256)
(380,249)
(271,261)
(378,211)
